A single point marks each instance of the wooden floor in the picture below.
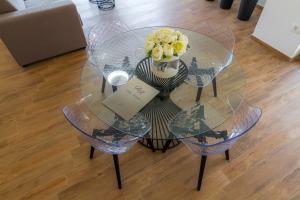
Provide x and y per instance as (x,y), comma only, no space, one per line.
(41,156)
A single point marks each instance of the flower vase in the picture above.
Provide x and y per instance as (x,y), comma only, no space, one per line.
(226,4)
(165,69)
(246,9)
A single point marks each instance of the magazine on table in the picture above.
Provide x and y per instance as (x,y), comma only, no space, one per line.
(128,100)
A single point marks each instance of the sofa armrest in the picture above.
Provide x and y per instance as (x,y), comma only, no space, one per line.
(38,33)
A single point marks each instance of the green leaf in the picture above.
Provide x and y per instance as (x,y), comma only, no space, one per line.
(149,54)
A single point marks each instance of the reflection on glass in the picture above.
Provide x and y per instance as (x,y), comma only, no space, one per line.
(118,78)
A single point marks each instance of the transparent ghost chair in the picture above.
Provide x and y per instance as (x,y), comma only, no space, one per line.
(97,35)
(103,137)
(220,42)
(210,142)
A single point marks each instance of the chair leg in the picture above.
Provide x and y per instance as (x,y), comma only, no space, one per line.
(114,88)
(116,162)
(92,152)
(201,172)
(103,84)
(214,82)
(199,93)
(227,154)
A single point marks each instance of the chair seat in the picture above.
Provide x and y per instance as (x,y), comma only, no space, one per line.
(101,135)
(112,141)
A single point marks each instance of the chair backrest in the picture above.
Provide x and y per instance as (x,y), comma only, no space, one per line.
(245,116)
(222,34)
(102,31)
(99,134)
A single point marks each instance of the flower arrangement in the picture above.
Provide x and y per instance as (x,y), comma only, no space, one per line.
(166,45)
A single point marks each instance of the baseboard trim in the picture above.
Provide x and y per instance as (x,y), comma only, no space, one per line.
(272,48)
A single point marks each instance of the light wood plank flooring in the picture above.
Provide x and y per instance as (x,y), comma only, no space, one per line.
(41,156)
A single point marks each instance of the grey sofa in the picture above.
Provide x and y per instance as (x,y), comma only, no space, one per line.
(36,33)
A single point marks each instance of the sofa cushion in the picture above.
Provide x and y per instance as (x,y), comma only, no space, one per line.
(11,5)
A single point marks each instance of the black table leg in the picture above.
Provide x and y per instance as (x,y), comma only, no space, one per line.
(150,143)
(103,84)
(166,146)
(199,92)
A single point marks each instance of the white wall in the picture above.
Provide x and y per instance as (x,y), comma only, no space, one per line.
(298,51)
(275,26)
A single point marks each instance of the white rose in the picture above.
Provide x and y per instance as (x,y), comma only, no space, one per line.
(184,39)
(152,37)
(168,50)
(178,34)
(166,37)
(149,46)
(166,30)
(157,53)
(169,38)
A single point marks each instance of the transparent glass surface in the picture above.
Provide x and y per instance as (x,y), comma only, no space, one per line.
(101,135)
(128,47)
(215,141)
(221,44)
(206,56)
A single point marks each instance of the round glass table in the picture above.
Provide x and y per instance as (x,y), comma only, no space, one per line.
(208,74)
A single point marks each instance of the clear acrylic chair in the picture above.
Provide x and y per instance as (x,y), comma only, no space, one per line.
(102,31)
(101,136)
(245,116)
(201,76)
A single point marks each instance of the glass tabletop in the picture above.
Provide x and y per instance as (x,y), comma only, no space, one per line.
(119,59)
(125,50)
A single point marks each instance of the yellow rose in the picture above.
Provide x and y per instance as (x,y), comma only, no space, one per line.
(157,53)
(149,45)
(168,50)
(179,47)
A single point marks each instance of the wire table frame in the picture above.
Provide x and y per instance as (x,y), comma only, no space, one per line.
(206,60)
(104,4)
